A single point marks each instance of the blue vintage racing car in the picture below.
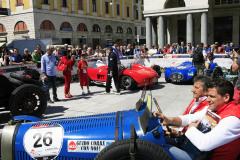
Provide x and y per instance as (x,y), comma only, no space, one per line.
(186,72)
(122,135)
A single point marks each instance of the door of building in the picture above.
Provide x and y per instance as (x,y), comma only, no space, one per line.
(96,42)
(66,41)
(181,31)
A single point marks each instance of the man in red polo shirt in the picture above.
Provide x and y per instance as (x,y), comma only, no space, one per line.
(222,136)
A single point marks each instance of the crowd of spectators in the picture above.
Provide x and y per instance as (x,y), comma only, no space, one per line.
(13,57)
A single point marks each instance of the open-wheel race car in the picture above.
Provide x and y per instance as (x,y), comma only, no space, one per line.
(186,72)
(23,94)
(134,76)
(119,135)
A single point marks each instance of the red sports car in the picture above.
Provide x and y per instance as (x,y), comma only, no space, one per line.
(135,76)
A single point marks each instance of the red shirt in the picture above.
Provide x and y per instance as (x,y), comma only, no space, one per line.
(81,67)
(70,63)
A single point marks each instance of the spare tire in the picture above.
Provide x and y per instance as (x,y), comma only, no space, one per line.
(26,79)
(28,99)
(145,150)
(15,82)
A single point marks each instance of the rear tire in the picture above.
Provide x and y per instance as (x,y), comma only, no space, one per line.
(145,150)
(127,82)
(28,99)
(15,82)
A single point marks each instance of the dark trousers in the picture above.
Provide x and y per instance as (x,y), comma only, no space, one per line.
(115,78)
(52,80)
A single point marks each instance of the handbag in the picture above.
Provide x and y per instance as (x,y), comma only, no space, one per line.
(62,67)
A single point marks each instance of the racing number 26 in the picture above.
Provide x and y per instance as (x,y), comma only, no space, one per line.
(47,139)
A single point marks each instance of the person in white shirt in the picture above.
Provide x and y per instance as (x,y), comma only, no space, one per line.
(223,139)
(152,51)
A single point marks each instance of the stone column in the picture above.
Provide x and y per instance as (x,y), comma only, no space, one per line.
(189,29)
(88,9)
(154,32)
(148,32)
(161,37)
(55,5)
(235,32)
(204,28)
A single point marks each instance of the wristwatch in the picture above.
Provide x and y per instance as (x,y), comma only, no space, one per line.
(235,57)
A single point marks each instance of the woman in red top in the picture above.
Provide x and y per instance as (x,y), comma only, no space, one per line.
(67,74)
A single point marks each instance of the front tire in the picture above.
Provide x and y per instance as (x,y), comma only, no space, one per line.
(127,82)
(145,150)
(28,99)
(168,80)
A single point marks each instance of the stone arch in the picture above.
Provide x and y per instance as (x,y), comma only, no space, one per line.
(47,25)
(82,27)
(119,29)
(20,26)
(174,4)
(96,28)
(2,28)
(66,26)
(108,29)
(129,30)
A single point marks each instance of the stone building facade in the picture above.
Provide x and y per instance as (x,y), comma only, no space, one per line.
(203,21)
(74,21)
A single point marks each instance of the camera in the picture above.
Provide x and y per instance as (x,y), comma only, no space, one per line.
(234,48)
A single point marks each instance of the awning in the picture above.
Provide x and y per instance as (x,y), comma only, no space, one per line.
(2,43)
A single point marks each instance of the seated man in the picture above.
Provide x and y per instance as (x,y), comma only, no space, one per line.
(222,136)
(16,58)
(199,99)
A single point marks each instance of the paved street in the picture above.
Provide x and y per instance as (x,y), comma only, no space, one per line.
(172,98)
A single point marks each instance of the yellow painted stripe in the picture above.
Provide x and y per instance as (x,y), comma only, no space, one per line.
(51,4)
(115,9)
(26,4)
(76,6)
(39,4)
(4,4)
(90,7)
(85,6)
(69,3)
(98,8)
(13,5)
(103,9)
(59,5)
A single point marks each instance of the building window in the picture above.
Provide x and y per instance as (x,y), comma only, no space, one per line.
(19,2)
(65,26)
(108,29)
(20,26)
(136,31)
(143,31)
(217,2)
(80,4)
(129,30)
(224,1)
(118,9)
(45,2)
(48,25)
(136,14)
(82,27)
(94,6)
(2,28)
(236,1)
(128,12)
(96,28)
(181,3)
(119,29)
(64,3)
(106,7)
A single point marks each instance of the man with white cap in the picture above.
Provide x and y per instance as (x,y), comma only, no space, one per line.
(27,57)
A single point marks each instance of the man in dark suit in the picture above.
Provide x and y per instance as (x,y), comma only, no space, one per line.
(112,71)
